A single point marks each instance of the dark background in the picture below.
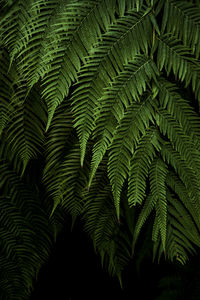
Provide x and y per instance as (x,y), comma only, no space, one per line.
(74,271)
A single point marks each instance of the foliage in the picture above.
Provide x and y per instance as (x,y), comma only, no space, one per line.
(105,94)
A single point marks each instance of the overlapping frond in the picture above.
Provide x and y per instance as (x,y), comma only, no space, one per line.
(25,234)
(182,233)
(104,62)
(101,223)
(182,19)
(176,57)
(123,77)
(25,130)
(179,108)
(5,90)
(140,165)
(157,175)
(134,123)
(116,99)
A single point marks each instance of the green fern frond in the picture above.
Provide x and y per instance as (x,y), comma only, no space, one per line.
(174,56)
(124,91)
(70,182)
(146,210)
(184,221)
(104,62)
(5,90)
(180,141)
(134,123)
(12,24)
(157,176)
(185,172)
(102,226)
(59,137)
(26,127)
(178,187)
(179,108)
(182,19)
(25,234)
(140,165)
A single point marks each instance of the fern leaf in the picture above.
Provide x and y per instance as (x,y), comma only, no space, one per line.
(135,121)
(146,210)
(140,165)
(178,58)
(5,91)
(59,137)
(182,20)
(103,64)
(157,175)
(125,90)
(25,234)
(182,143)
(184,221)
(25,130)
(185,172)
(181,190)
(179,108)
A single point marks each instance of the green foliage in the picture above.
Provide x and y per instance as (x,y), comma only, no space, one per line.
(103,96)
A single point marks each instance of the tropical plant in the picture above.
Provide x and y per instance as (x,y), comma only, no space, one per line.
(100,119)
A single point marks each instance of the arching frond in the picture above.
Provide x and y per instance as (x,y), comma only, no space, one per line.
(179,108)
(25,234)
(140,165)
(70,182)
(26,127)
(180,141)
(184,170)
(181,18)
(102,226)
(5,90)
(115,100)
(58,138)
(105,61)
(146,210)
(134,123)
(157,175)
(182,191)
(176,57)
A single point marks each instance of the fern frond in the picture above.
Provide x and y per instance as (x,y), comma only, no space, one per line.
(126,89)
(66,191)
(179,108)
(185,172)
(157,176)
(174,182)
(5,90)
(104,62)
(176,57)
(102,226)
(26,127)
(182,19)
(12,23)
(180,141)
(140,165)
(59,137)
(134,123)
(25,234)
(146,210)
(184,221)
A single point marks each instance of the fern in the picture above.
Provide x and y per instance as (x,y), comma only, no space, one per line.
(115,99)
(103,96)
(25,235)
(140,165)
(134,122)
(102,65)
